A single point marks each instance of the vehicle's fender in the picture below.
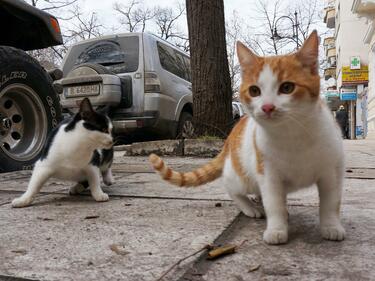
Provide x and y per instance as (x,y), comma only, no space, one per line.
(186,99)
(26,27)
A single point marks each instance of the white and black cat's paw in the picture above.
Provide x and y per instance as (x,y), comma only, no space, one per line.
(333,232)
(108,181)
(108,178)
(21,202)
(275,236)
(100,197)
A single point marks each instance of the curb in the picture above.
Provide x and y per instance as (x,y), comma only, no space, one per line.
(186,147)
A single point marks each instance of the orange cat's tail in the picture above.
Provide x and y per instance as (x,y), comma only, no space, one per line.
(202,175)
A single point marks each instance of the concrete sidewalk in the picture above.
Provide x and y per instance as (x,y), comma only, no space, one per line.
(147,226)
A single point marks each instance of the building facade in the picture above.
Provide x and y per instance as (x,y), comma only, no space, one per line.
(346,68)
(365,10)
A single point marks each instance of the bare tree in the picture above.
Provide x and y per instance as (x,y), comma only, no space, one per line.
(233,34)
(212,93)
(134,16)
(83,26)
(75,25)
(166,21)
(51,5)
(274,16)
(50,57)
(268,17)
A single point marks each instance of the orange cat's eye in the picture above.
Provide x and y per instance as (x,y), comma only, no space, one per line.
(286,88)
(254,91)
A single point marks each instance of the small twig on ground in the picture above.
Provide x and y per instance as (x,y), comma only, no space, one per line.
(254,268)
(221,251)
(91,217)
(206,247)
(224,250)
(118,249)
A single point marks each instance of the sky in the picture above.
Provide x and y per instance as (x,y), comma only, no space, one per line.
(104,8)
(246,9)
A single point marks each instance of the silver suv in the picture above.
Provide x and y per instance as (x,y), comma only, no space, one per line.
(144,79)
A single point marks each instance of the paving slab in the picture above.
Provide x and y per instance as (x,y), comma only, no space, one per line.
(360,153)
(148,225)
(52,240)
(306,256)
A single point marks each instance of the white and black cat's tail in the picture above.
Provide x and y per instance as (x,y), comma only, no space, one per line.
(202,175)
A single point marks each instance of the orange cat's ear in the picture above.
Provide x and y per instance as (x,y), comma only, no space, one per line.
(308,54)
(245,55)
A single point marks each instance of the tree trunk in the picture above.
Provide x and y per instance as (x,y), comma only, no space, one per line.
(212,94)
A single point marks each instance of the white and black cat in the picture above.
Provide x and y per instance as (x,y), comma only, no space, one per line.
(79,150)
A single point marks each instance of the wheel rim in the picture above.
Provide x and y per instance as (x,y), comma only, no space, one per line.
(187,129)
(23,122)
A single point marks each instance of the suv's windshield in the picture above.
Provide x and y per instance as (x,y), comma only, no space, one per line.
(119,55)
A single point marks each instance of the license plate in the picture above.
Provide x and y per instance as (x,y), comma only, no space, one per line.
(84,90)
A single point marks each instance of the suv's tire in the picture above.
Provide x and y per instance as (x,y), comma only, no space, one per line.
(29,109)
(185,127)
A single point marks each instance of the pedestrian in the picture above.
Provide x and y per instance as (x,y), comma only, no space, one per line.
(342,120)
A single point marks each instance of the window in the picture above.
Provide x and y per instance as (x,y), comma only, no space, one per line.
(174,61)
(119,55)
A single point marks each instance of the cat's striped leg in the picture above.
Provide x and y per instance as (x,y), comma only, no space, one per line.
(38,178)
(330,189)
(93,177)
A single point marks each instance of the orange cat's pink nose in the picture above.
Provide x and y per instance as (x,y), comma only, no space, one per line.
(268,108)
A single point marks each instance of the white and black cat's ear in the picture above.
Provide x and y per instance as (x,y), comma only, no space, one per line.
(308,54)
(85,109)
(245,55)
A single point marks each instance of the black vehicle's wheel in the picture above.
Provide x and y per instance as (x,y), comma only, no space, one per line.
(29,109)
(185,126)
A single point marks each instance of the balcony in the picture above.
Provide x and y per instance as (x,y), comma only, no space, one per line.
(330,62)
(329,16)
(329,41)
(331,52)
(363,7)
(330,73)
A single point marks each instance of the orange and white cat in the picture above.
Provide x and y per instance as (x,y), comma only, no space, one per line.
(288,141)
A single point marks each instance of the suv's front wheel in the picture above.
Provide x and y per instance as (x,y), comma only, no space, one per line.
(29,109)
(185,128)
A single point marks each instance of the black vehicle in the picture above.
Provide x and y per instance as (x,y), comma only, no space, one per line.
(29,106)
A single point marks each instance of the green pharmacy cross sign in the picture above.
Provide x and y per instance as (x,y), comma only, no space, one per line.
(355,63)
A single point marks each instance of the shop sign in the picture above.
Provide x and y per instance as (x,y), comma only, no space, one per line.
(355,62)
(354,76)
(331,94)
(348,94)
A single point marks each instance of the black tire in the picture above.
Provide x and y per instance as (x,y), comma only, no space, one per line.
(29,109)
(185,126)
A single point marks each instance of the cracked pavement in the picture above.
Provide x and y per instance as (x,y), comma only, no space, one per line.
(147,226)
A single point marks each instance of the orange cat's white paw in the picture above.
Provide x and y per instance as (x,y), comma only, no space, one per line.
(333,232)
(101,197)
(275,236)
